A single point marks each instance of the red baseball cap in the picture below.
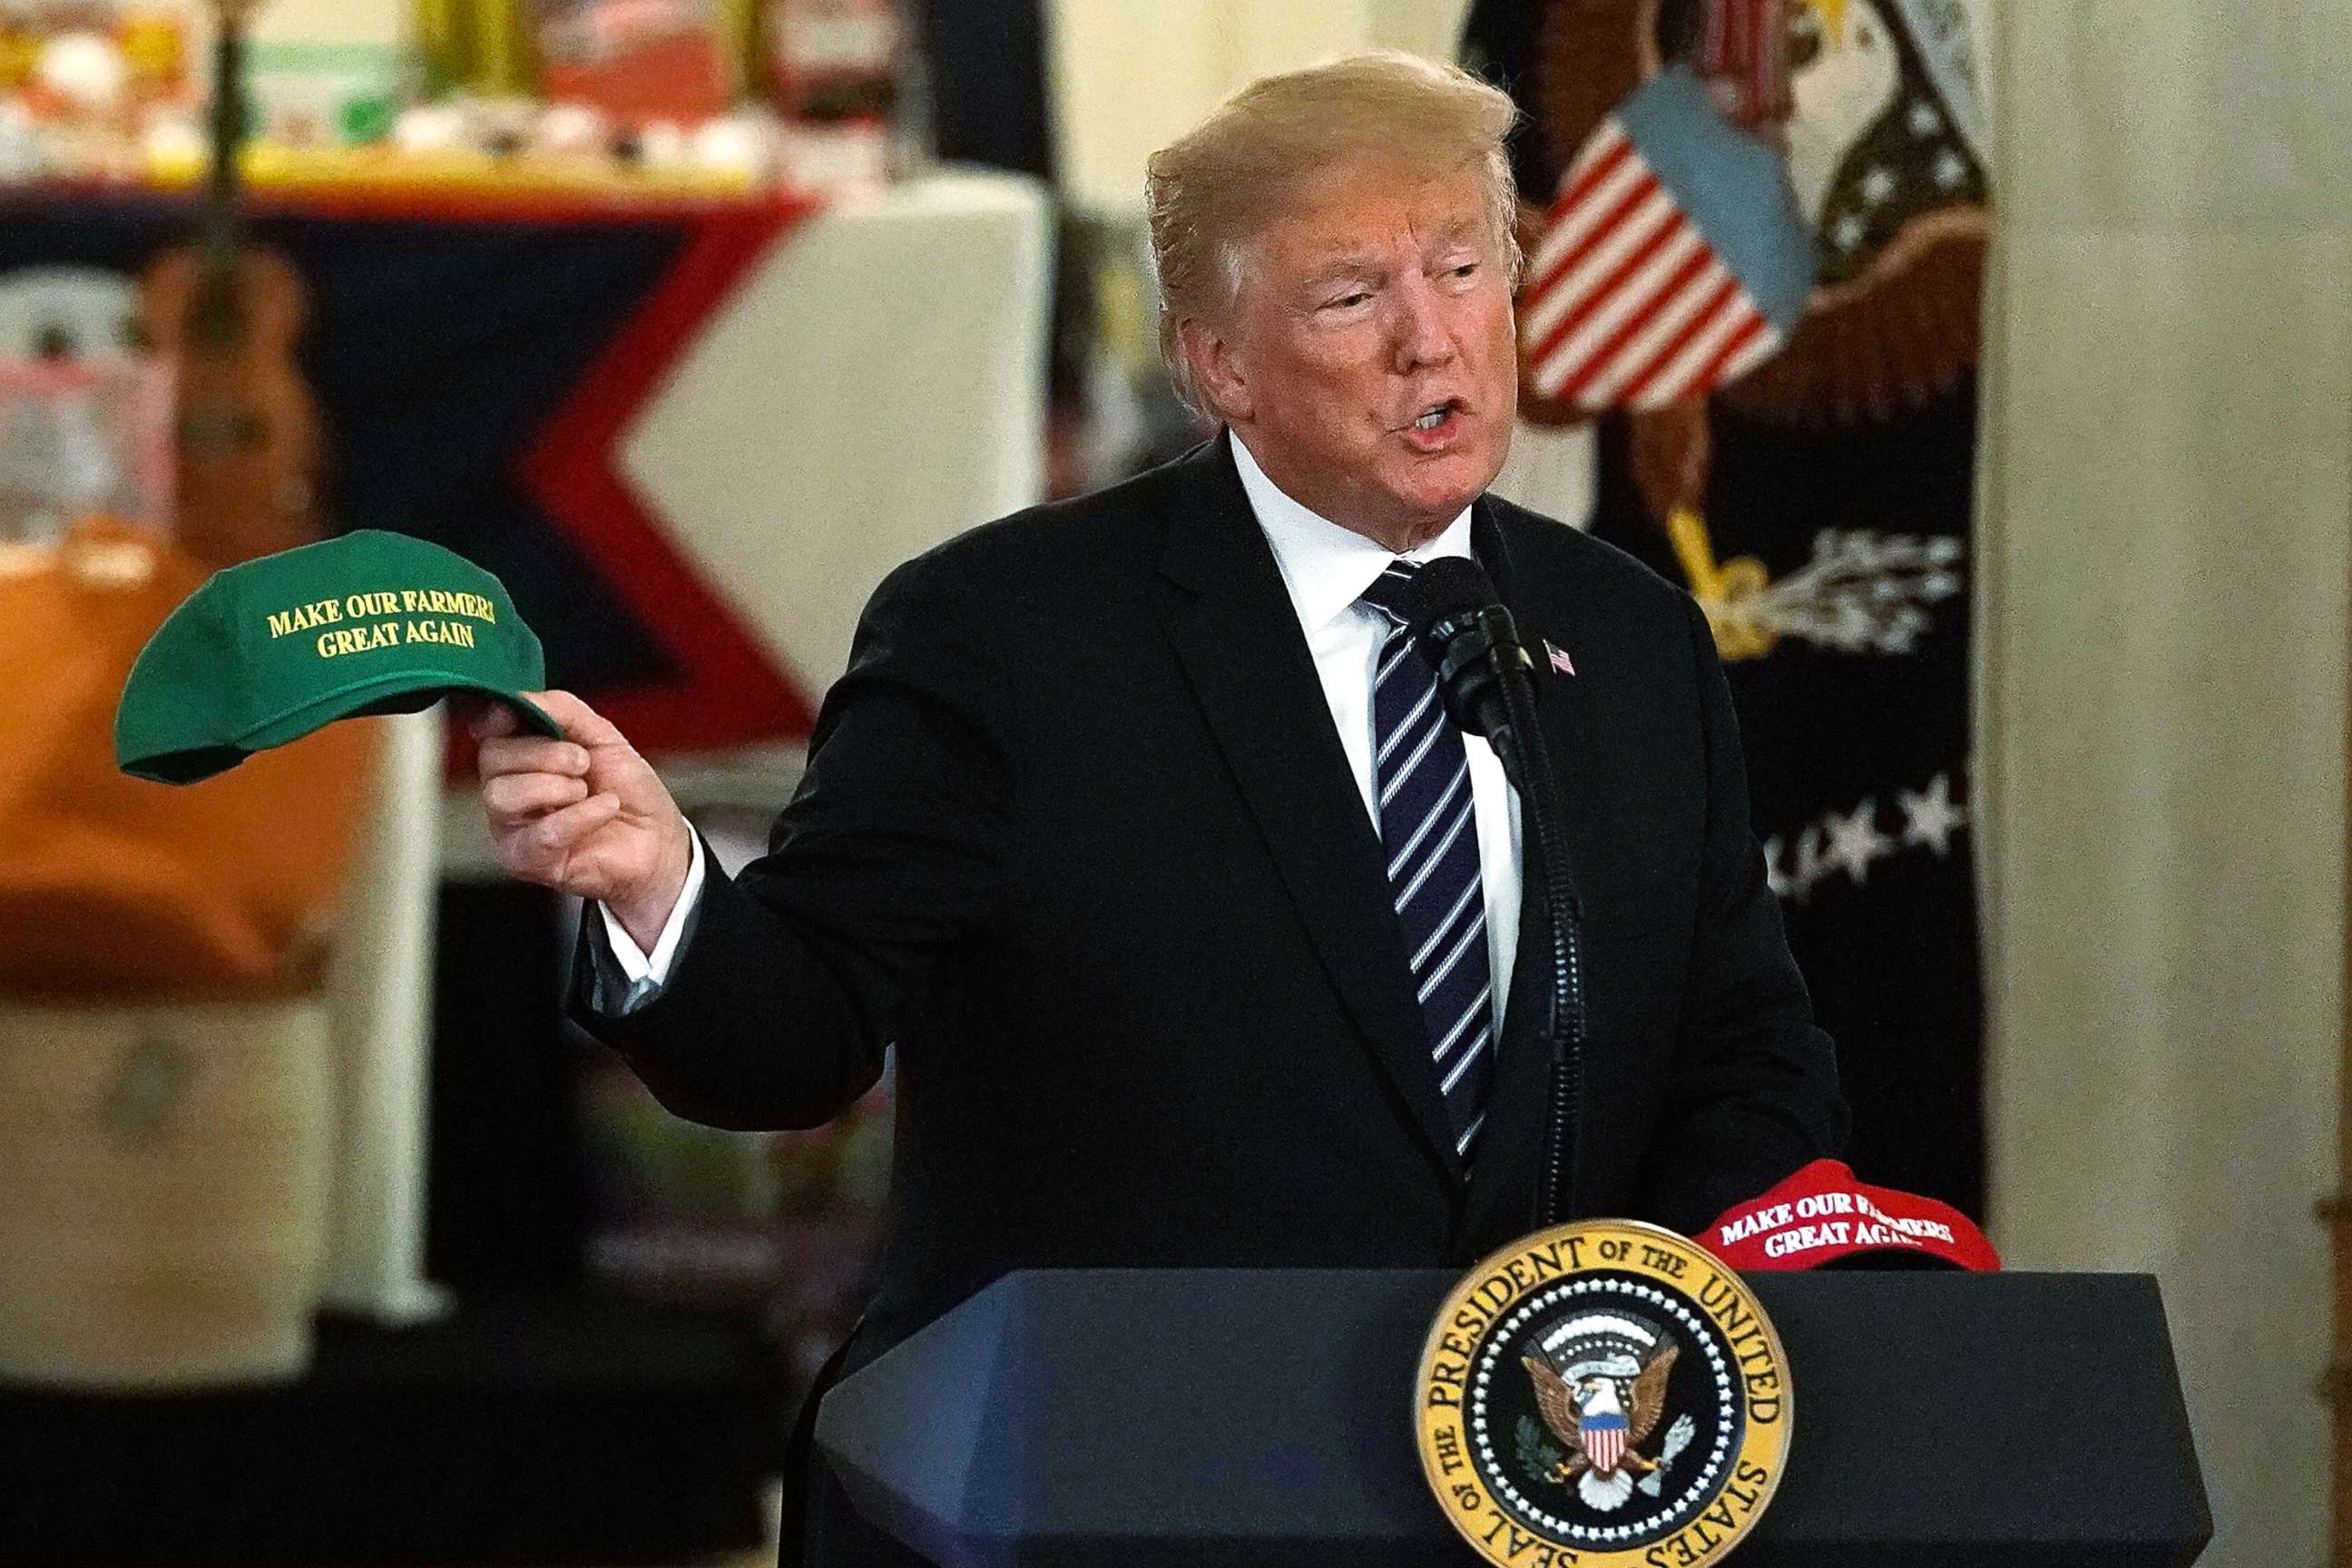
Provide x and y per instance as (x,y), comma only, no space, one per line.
(1822,1214)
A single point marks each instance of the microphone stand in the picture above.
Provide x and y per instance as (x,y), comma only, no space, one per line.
(1546,856)
(1482,649)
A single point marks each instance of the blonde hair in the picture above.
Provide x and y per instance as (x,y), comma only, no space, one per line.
(1219,184)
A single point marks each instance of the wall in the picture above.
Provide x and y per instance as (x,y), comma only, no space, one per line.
(1128,78)
(2166,486)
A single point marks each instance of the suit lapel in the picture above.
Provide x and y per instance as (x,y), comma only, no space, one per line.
(1560,710)
(1505,1177)
(1237,635)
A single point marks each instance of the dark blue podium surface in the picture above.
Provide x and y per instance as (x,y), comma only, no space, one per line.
(1235,1417)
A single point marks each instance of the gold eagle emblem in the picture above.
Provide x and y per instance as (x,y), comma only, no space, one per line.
(1601,1438)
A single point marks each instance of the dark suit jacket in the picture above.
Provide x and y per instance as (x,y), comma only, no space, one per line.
(1077,835)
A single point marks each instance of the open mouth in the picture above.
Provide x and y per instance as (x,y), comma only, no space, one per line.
(1436,428)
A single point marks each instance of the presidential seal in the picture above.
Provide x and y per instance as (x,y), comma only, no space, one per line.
(1602,1393)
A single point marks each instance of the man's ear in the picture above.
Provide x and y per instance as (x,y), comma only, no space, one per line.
(1216,369)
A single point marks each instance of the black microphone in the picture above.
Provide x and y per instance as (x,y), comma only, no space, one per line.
(1460,626)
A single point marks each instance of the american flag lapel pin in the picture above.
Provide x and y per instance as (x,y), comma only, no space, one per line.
(1559,658)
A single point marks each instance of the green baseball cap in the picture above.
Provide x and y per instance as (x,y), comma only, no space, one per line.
(271,649)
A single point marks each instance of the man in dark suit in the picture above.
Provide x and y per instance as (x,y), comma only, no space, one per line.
(1136,826)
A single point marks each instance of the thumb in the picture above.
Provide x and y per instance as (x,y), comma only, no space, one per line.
(487,721)
(581,722)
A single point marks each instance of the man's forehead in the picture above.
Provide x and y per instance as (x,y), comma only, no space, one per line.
(1330,216)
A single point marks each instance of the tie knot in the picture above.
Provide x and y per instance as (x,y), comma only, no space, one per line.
(1391,591)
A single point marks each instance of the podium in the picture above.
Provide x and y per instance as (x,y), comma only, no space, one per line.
(1072,1418)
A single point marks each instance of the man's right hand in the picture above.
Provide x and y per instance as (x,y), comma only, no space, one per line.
(585,815)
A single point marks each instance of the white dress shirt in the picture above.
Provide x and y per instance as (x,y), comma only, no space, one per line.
(1326,568)
(647,972)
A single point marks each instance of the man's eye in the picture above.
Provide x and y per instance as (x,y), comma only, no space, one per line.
(1466,270)
(1356,296)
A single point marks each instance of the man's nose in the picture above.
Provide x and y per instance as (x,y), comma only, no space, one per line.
(1420,334)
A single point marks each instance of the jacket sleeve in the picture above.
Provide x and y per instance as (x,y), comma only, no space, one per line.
(785,993)
(1754,1094)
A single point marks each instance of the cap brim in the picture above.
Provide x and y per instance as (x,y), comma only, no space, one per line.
(363,696)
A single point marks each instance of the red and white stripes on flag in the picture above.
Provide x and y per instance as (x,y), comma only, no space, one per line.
(1746,43)
(1603,1437)
(1627,304)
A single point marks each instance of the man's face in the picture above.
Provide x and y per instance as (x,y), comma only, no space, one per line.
(1368,362)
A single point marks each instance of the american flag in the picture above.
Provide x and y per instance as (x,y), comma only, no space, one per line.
(1746,43)
(1603,1436)
(1559,656)
(1671,260)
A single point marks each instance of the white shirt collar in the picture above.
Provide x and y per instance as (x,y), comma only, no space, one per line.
(1327,567)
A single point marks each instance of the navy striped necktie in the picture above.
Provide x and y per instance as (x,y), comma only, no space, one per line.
(1422,773)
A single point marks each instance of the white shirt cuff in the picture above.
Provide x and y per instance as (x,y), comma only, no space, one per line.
(651,971)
